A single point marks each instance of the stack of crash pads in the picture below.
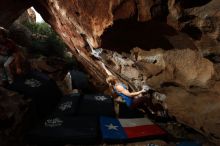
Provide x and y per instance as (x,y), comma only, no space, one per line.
(78,119)
(123,130)
(44,92)
(75,120)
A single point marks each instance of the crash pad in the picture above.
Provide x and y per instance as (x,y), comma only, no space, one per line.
(96,105)
(65,130)
(117,129)
(68,105)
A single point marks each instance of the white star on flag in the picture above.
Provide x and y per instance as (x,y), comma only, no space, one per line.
(111,127)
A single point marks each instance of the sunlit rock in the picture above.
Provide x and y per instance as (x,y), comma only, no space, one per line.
(184,31)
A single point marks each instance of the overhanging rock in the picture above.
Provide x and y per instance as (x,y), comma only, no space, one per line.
(120,26)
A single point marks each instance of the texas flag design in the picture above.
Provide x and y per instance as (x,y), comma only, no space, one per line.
(123,129)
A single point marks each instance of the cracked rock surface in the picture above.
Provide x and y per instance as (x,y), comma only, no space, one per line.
(161,43)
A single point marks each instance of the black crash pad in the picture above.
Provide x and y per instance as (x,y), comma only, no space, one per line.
(80,81)
(44,92)
(65,130)
(68,105)
(96,105)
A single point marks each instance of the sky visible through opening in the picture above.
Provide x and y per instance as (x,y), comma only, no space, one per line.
(39,19)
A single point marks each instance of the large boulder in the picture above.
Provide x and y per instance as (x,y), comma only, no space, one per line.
(20,34)
(184,30)
(200,109)
(28,16)
(13,108)
(185,67)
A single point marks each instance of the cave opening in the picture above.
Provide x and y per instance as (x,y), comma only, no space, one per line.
(127,34)
(166,58)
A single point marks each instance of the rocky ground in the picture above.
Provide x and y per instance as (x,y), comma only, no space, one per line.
(13,109)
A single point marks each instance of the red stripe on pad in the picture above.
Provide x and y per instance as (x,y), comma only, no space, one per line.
(143,131)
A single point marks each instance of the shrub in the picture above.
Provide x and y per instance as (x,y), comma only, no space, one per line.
(39,28)
(49,45)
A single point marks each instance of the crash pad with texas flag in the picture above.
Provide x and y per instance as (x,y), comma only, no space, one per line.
(114,129)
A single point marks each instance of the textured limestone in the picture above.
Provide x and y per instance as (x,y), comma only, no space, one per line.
(194,108)
(183,67)
(28,16)
(190,31)
(200,20)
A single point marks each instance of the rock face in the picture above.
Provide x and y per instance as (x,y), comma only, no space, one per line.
(10,10)
(28,16)
(194,108)
(20,34)
(121,27)
(158,42)
(13,108)
(200,20)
